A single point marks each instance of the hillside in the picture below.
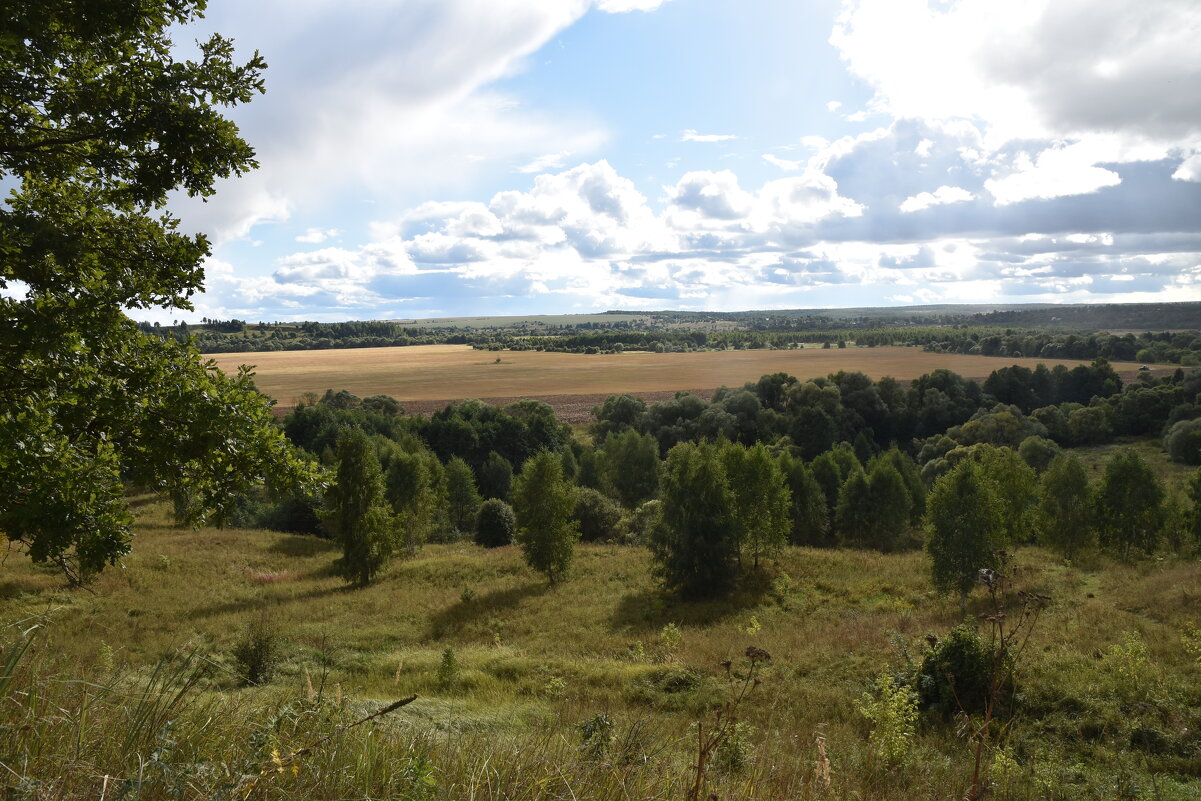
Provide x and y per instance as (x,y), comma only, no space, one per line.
(1108,688)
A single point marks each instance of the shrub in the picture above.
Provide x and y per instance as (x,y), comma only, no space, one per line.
(1038,452)
(257,653)
(956,674)
(293,515)
(597,514)
(496,524)
(1183,442)
(893,714)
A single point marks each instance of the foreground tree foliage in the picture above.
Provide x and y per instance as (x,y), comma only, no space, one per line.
(100,124)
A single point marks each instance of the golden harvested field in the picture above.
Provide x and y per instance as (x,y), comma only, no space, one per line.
(422,376)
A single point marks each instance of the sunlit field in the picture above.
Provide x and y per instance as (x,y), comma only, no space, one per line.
(450,372)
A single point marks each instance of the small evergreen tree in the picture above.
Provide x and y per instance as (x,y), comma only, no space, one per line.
(1064,513)
(693,545)
(543,502)
(1129,505)
(356,512)
(496,525)
(464,499)
(831,469)
(911,474)
(964,528)
(890,503)
(852,515)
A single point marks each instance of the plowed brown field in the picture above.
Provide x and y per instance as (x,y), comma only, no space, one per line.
(426,377)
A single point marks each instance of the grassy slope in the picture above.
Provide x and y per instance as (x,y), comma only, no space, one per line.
(536,661)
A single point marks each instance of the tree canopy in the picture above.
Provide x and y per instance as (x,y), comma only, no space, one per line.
(964,527)
(543,502)
(101,122)
(694,546)
(1129,504)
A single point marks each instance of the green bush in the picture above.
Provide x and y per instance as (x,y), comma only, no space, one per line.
(257,653)
(956,674)
(496,524)
(893,713)
(597,514)
(1183,442)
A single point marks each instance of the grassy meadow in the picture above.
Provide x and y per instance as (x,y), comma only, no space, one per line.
(510,675)
(442,372)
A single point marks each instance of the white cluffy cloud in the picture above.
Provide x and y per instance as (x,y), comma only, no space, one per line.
(941,196)
(317,235)
(841,230)
(1189,169)
(691,135)
(407,111)
(623,6)
(1055,172)
(1032,68)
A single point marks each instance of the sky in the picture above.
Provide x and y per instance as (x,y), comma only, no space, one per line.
(435,158)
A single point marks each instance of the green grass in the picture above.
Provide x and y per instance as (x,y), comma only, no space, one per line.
(1174,475)
(534,662)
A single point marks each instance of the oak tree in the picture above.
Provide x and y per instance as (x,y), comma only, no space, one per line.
(101,122)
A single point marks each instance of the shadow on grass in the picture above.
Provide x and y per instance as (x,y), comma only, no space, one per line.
(302,545)
(651,610)
(251,604)
(138,501)
(16,587)
(458,615)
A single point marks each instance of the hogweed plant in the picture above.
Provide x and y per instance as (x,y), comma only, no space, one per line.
(717,736)
(1009,634)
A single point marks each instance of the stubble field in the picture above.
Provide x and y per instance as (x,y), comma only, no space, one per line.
(426,377)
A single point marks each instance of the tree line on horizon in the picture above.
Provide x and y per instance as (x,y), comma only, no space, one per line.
(980,337)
